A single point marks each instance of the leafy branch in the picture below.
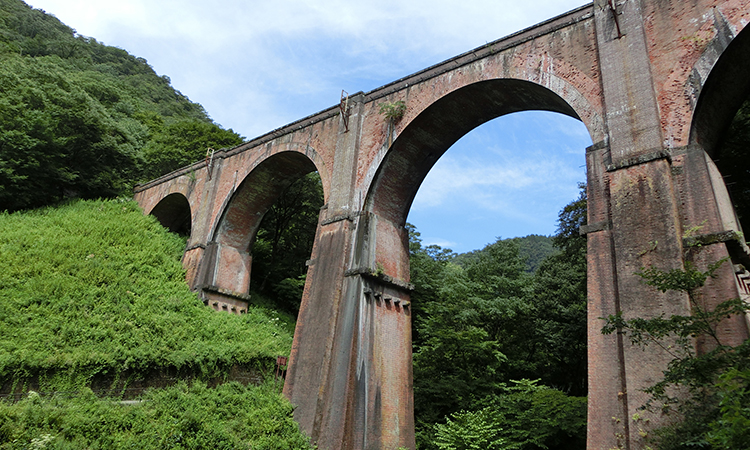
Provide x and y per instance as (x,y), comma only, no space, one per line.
(718,381)
(683,328)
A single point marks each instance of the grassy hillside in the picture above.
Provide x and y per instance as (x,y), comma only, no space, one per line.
(96,288)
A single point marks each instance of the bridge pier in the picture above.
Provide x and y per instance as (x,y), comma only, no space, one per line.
(352,343)
(645,199)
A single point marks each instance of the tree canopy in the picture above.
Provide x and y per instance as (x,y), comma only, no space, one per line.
(284,242)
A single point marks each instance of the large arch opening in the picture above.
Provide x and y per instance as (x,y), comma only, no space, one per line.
(443,123)
(720,139)
(230,254)
(173,212)
(721,126)
(465,307)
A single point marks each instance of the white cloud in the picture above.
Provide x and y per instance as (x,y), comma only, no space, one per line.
(444,243)
(493,182)
(238,58)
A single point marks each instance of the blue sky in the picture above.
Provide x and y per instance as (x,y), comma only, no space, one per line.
(258,65)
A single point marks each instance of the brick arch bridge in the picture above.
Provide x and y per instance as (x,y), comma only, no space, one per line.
(655,82)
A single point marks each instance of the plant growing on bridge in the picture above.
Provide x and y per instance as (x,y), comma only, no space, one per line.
(393,111)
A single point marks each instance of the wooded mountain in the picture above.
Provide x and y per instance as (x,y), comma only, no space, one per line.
(532,250)
(82,119)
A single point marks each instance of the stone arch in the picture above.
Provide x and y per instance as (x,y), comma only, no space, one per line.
(173,212)
(379,269)
(724,69)
(424,140)
(722,79)
(256,193)
(225,275)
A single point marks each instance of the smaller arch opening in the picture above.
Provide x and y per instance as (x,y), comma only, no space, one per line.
(284,241)
(255,195)
(173,212)
(265,234)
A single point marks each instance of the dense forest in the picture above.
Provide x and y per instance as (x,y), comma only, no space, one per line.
(500,350)
(93,290)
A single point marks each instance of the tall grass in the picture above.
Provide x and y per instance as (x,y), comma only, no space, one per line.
(96,288)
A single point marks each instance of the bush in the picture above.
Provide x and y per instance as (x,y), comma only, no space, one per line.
(523,417)
(230,416)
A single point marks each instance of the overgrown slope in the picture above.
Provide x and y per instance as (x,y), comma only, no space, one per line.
(229,417)
(96,287)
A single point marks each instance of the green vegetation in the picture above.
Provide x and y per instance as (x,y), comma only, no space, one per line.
(230,416)
(483,320)
(532,250)
(95,288)
(523,415)
(82,119)
(393,111)
(92,293)
(284,242)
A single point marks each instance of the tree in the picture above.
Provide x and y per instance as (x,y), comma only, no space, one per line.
(524,416)
(55,140)
(533,249)
(559,294)
(182,143)
(77,116)
(482,320)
